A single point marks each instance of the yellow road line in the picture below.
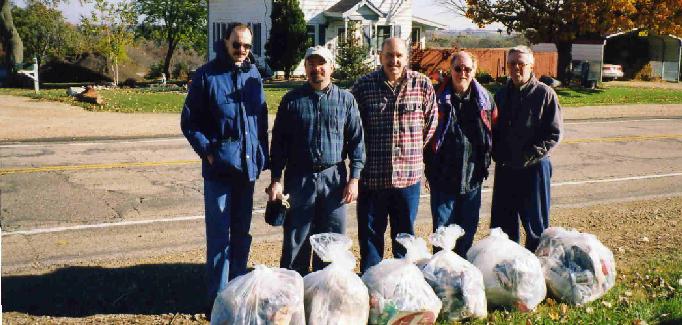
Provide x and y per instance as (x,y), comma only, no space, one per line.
(25,170)
(626,139)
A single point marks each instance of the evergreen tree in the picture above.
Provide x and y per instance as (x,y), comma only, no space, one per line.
(352,59)
(288,42)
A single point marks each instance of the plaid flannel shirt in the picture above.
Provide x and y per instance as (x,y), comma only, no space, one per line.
(398,122)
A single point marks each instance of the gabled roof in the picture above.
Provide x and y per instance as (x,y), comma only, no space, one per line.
(343,7)
(426,22)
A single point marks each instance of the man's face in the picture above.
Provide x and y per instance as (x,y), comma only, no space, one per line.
(318,71)
(238,45)
(520,67)
(394,58)
(463,71)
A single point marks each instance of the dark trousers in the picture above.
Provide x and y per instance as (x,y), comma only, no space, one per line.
(228,208)
(459,209)
(376,208)
(316,207)
(522,194)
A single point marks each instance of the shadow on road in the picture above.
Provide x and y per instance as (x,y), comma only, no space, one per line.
(84,291)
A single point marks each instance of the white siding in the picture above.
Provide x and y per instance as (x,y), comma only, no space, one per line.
(226,11)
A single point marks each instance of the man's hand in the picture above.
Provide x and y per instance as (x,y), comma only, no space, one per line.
(274,190)
(209,157)
(350,193)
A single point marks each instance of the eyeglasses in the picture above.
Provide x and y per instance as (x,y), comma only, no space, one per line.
(237,45)
(518,64)
(459,69)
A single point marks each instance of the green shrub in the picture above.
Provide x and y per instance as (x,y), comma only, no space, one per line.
(484,77)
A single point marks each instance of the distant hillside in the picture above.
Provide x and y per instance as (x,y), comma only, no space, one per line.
(473,38)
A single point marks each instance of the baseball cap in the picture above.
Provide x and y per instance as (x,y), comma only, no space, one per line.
(321,51)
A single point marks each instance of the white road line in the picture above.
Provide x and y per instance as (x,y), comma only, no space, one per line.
(622,121)
(91,143)
(262,211)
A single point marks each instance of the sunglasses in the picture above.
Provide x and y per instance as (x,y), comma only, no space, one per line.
(517,64)
(237,45)
(459,69)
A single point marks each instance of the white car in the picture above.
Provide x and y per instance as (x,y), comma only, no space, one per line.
(611,71)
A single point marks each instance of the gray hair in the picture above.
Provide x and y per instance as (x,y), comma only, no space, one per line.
(461,54)
(522,49)
(398,39)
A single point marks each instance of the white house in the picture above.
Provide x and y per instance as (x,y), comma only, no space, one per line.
(327,21)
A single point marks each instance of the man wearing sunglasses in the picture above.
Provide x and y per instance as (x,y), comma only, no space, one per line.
(528,128)
(458,156)
(316,128)
(225,121)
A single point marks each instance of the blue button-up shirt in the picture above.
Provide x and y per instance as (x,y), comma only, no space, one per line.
(317,128)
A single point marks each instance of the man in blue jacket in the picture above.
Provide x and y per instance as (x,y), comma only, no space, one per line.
(457,158)
(528,128)
(225,121)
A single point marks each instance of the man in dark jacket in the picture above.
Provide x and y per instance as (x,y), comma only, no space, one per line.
(457,158)
(225,121)
(528,128)
(316,128)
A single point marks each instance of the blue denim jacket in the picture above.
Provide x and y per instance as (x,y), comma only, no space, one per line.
(317,128)
(225,115)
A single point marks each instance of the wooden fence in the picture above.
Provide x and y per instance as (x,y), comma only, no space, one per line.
(491,61)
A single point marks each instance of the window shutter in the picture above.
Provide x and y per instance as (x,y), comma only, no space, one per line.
(257,40)
(396,31)
(322,37)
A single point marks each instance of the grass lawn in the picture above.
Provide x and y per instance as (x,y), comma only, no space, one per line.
(145,100)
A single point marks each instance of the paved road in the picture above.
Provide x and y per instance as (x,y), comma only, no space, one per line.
(64,202)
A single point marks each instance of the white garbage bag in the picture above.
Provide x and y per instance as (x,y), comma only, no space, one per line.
(512,274)
(335,295)
(398,292)
(578,267)
(264,296)
(458,283)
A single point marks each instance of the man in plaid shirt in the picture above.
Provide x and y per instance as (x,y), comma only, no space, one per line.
(399,116)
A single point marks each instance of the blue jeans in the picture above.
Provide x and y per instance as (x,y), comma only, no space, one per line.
(460,209)
(316,207)
(522,194)
(376,208)
(228,208)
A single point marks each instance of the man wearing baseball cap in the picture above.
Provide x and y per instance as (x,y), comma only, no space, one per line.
(316,128)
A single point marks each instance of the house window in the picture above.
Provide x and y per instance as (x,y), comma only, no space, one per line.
(310,35)
(341,34)
(416,36)
(396,31)
(219,30)
(383,32)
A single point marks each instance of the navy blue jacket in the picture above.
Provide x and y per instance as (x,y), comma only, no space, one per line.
(529,124)
(225,115)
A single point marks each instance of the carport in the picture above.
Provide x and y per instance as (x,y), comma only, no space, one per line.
(637,48)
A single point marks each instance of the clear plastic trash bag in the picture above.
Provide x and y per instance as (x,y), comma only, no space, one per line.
(578,267)
(264,296)
(512,275)
(398,292)
(335,295)
(458,283)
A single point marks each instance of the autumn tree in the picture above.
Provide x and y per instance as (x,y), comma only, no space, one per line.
(562,22)
(111,29)
(173,22)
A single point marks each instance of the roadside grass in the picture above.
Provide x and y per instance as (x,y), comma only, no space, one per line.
(145,100)
(647,294)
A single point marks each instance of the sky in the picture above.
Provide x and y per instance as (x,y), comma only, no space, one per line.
(428,9)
